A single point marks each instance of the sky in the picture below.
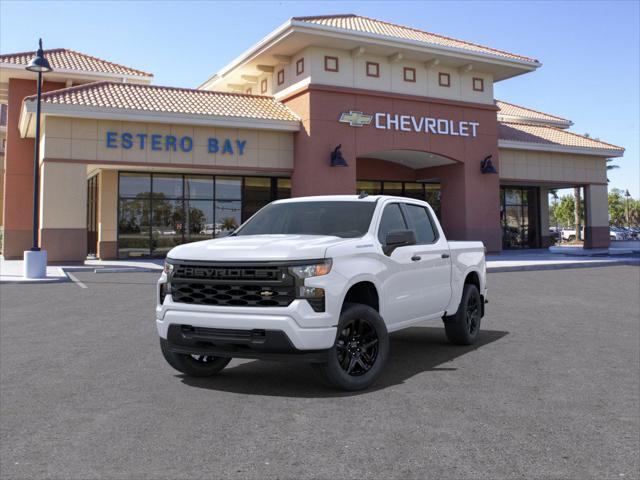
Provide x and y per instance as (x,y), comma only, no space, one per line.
(590,51)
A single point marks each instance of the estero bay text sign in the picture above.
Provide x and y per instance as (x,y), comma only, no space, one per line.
(171,143)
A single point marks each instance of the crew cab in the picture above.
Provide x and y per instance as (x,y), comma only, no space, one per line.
(320,279)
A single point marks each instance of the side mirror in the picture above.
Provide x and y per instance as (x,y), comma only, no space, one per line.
(398,238)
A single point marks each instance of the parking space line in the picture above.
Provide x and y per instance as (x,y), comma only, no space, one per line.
(75,280)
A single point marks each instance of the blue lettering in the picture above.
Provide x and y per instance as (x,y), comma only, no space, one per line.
(142,137)
(170,143)
(186,144)
(241,144)
(213,145)
(155,142)
(227,148)
(111,140)
(127,140)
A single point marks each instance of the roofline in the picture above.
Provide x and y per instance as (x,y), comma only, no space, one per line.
(85,73)
(131,115)
(560,119)
(545,147)
(301,26)
(529,120)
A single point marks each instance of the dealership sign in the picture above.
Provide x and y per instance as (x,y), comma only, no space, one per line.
(171,143)
(411,123)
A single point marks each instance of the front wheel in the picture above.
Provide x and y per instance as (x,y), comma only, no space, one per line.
(193,365)
(463,327)
(360,351)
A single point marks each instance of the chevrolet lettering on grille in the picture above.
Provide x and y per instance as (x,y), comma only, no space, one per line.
(226,273)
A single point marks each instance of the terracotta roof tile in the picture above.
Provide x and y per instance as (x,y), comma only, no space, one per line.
(153,98)
(546,135)
(512,110)
(65,59)
(378,27)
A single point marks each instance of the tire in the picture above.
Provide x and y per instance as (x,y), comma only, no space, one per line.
(463,327)
(193,365)
(360,351)
(571,238)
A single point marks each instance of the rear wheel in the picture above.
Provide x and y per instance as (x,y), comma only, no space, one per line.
(193,365)
(463,327)
(360,352)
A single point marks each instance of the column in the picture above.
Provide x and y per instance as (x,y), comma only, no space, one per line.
(596,204)
(543,211)
(107,215)
(63,211)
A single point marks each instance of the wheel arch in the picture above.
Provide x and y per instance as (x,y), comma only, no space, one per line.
(363,291)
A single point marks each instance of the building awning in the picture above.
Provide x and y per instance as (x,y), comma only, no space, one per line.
(551,139)
(149,103)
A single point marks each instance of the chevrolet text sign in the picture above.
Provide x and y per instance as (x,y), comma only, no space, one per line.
(410,123)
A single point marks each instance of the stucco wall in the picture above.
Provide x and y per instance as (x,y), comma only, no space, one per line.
(525,165)
(80,139)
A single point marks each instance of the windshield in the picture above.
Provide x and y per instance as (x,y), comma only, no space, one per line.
(340,219)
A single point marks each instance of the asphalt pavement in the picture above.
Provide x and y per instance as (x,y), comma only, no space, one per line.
(552,390)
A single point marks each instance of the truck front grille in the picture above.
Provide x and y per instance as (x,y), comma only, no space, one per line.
(233,285)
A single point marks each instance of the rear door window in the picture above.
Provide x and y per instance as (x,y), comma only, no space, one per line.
(421,224)
(392,219)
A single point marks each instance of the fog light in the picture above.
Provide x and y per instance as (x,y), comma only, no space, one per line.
(165,289)
(311,292)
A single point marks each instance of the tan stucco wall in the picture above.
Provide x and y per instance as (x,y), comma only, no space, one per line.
(107,206)
(352,74)
(63,198)
(80,139)
(525,165)
(597,205)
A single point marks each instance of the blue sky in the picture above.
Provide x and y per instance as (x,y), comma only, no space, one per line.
(589,50)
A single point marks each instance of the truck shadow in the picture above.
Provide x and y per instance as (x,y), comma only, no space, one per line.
(413,351)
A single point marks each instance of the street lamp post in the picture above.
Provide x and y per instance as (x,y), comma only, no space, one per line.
(35,260)
(627,195)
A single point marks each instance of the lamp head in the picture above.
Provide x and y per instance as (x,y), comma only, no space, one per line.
(39,63)
(486,166)
(337,160)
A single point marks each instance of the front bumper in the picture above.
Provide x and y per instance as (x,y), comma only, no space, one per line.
(304,328)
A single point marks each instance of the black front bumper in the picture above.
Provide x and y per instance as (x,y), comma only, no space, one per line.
(220,342)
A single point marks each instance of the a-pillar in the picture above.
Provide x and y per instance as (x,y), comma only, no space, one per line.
(596,205)
(543,208)
(63,211)
(107,214)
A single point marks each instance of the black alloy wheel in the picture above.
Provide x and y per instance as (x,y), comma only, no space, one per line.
(463,327)
(473,314)
(357,347)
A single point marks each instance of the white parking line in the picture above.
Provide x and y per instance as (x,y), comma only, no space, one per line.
(75,280)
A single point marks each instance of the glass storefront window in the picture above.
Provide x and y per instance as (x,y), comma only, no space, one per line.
(198,187)
(414,190)
(372,188)
(167,186)
(228,188)
(392,188)
(158,211)
(284,188)
(135,185)
(519,217)
(257,193)
(432,196)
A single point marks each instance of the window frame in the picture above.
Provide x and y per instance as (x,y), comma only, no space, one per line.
(263,86)
(481,83)
(280,76)
(444,75)
(372,64)
(405,70)
(300,66)
(409,220)
(327,59)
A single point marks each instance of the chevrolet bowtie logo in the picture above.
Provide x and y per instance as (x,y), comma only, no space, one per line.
(355,119)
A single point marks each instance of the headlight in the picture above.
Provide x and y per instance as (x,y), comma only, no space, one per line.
(168,267)
(312,270)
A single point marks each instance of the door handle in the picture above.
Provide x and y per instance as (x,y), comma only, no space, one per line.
(416,258)
(445,255)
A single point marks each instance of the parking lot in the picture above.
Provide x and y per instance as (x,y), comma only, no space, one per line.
(551,390)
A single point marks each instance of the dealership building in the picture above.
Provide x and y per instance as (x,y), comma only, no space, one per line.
(322,105)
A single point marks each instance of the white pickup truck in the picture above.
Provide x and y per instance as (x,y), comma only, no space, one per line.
(322,279)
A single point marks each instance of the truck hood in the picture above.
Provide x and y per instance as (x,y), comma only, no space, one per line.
(256,248)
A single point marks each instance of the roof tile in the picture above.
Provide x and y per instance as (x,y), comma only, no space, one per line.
(546,135)
(512,110)
(65,59)
(153,98)
(369,25)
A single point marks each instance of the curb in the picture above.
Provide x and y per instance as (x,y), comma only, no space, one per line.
(562,266)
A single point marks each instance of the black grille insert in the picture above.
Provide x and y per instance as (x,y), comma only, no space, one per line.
(233,285)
